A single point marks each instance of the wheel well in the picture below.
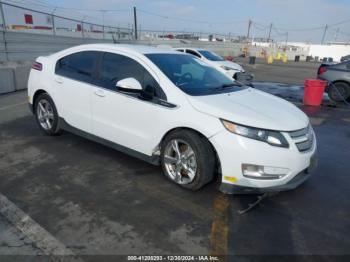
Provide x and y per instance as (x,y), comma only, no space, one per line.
(217,159)
(36,94)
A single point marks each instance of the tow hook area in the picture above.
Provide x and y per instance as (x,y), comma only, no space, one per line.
(259,199)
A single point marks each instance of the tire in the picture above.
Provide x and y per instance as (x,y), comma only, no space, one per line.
(338,92)
(46,115)
(191,170)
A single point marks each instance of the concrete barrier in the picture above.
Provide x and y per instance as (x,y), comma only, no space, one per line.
(21,76)
(14,76)
(7,80)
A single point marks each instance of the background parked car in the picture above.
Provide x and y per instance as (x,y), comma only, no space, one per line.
(229,68)
(338,76)
(345,58)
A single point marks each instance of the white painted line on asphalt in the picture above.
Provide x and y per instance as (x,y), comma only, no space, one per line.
(38,235)
(11,106)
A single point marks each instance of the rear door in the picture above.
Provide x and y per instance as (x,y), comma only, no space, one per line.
(121,117)
(74,76)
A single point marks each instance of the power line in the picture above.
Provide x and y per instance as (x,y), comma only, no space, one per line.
(259,27)
(188,19)
(256,25)
(315,28)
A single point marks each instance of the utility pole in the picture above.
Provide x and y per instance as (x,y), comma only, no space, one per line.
(135,23)
(268,39)
(2,17)
(324,34)
(53,21)
(286,39)
(82,26)
(249,26)
(3,30)
(103,22)
(336,35)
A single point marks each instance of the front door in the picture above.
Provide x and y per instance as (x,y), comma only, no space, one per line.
(121,117)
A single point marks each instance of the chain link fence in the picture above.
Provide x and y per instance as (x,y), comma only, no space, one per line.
(16,18)
(26,33)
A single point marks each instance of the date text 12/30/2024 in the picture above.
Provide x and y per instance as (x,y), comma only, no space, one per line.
(173,258)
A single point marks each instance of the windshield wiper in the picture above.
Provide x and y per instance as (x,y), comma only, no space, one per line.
(226,85)
(230,84)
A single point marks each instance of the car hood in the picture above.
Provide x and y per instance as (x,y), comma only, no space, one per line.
(230,64)
(253,108)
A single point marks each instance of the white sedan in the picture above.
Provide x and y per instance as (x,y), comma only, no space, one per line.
(228,67)
(171,109)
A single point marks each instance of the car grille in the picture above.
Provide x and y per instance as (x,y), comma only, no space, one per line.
(303,138)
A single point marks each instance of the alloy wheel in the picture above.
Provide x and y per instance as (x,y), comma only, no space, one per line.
(180,161)
(45,114)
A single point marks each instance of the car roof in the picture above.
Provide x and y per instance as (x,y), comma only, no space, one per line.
(139,49)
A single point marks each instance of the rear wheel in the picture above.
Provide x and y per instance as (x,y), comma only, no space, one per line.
(339,92)
(46,114)
(188,159)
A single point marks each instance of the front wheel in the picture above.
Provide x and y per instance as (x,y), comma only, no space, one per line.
(46,115)
(188,159)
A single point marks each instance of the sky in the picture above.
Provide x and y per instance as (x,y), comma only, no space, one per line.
(304,20)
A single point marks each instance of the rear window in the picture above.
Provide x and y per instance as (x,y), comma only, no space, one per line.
(78,66)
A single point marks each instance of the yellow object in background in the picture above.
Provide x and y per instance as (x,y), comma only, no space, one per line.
(285,58)
(278,56)
(270,59)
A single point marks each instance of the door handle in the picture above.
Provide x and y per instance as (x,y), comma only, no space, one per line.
(59,79)
(100,93)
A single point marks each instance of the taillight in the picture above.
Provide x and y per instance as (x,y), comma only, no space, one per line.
(322,70)
(37,66)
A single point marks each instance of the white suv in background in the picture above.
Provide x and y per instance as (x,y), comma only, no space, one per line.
(228,67)
(171,109)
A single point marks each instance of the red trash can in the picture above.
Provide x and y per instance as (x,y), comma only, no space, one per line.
(313,91)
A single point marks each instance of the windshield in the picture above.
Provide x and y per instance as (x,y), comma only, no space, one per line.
(193,76)
(210,55)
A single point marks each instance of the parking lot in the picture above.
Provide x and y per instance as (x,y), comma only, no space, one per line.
(97,201)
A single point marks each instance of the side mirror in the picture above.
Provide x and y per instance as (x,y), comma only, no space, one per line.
(148,93)
(129,84)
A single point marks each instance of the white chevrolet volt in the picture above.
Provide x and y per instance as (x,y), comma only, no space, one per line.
(174,110)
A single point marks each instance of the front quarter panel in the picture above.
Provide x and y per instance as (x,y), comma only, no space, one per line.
(184,116)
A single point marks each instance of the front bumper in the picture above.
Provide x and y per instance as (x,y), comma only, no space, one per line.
(234,150)
(292,184)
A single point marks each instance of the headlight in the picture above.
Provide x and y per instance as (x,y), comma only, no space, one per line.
(227,68)
(230,68)
(273,138)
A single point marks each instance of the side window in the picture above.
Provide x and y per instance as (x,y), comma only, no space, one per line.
(116,67)
(188,51)
(180,50)
(79,66)
(348,65)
